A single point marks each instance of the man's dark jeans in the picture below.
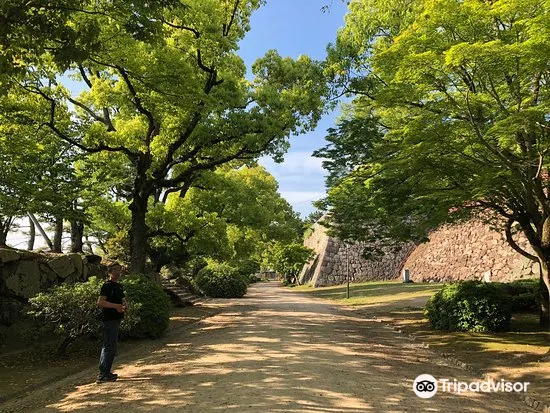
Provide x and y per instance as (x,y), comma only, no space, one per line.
(108,351)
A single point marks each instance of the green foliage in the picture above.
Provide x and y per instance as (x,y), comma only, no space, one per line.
(248,268)
(69,309)
(231,215)
(449,113)
(469,306)
(221,281)
(37,173)
(523,295)
(164,94)
(148,311)
(288,259)
(118,246)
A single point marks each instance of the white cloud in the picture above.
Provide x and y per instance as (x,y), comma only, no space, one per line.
(295,163)
(301,197)
(301,179)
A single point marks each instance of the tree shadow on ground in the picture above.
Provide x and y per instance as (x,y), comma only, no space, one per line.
(516,355)
(279,353)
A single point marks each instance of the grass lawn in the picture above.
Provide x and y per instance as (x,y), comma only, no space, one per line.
(520,354)
(374,292)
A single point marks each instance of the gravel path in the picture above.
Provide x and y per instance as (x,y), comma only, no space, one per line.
(272,351)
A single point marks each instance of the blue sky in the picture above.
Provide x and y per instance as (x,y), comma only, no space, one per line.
(295,27)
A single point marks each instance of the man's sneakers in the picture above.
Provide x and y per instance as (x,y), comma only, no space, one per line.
(108,378)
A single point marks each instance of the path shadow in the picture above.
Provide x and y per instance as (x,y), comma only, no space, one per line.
(277,352)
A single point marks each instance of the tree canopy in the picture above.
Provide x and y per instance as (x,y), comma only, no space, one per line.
(450,109)
(160,86)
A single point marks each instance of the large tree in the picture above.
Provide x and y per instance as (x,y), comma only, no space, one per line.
(233,214)
(164,87)
(451,108)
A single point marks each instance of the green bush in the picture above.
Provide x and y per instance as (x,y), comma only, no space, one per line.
(248,268)
(70,309)
(523,295)
(254,279)
(221,282)
(469,306)
(148,311)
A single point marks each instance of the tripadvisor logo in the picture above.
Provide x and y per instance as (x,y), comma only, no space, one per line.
(426,386)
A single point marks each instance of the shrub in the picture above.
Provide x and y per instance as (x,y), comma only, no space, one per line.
(69,309)
(469,306)
(523,295)
(148,311)
(248,268)
(221,282)
(253,278)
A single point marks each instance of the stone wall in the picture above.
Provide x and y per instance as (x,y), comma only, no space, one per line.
(334,262)
(469,251)
(23,274)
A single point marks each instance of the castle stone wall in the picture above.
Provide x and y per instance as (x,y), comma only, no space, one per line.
(335,261)
(466,251)
(470,250)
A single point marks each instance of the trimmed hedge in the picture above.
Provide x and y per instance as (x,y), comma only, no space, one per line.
(469,306)
(222,282)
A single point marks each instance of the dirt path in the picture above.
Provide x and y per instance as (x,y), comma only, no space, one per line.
(273,351)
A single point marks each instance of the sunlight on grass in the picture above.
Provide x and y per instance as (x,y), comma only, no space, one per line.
(402,305)
(372,292)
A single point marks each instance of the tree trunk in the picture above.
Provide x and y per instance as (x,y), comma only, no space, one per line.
(41,230)
(58,236)
(138,234)
(158,257)
(77,232)
(5,226)
(32,235)
(89,244)
(544,293)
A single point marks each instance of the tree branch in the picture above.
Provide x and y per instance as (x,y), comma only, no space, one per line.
(84,76)
(513,244)
(110,127)
(153,127)
(212,163)
(189,29)
(227,27)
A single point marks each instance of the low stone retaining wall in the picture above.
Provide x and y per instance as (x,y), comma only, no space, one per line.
(23,274)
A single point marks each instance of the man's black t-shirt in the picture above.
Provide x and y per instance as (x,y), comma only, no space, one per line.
(114,294)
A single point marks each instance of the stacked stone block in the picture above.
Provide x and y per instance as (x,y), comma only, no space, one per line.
(471,250)
(336,263)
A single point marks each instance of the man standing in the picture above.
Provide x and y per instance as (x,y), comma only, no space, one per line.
(113,304)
